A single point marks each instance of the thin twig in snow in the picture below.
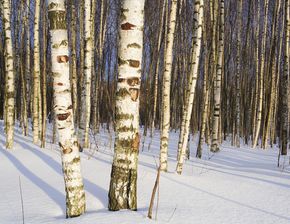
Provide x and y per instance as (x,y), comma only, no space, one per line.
(21,197)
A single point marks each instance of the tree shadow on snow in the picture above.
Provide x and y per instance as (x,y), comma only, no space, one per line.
(50,191)
(97,191)
(227,199)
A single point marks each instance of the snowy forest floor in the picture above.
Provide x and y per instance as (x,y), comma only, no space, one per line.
(234,186)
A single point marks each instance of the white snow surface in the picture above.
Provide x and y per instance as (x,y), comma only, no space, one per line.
(231,187)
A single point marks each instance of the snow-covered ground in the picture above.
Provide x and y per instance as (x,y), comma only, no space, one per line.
(234,186)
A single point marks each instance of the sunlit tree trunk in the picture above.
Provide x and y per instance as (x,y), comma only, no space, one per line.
(272,71)
(36,76)
(261,79)
(63,109)
(86,91)
(217,89)
(192,83)
(166,87)
(26,73)
(155,93)
(9,71)
(123,185)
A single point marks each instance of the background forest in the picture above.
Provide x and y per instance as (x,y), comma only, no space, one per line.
(209,70)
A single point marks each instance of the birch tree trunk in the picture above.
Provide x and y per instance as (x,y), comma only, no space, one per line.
(26,78)
(44,75)
(189,86)
(155,92)
(193,78)
(261,80)
(257,35)
(81,66)
(73,66)
(238,84)
(86,91)
(63,110)
(166,87)
(9,70)
(36,76)
(123,185)
(272,71)
(204,108)
(97,77)
(217,89)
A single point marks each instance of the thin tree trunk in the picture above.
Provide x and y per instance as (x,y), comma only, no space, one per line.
(36,75)
(273,77)
(285,85)
(192,84)
(238,85)
(73,63)
(9,70)
(166,88)
(101,38)
(217,89)
(86,91)
(44,82)
(261,80)
(157,69)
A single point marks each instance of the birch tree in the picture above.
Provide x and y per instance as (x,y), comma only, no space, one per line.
(9,71)
(238,84)
(166,87)
(36,75)
(26,78)
(73,64)
(123,185)
(63,110)
(86,91)
(217,89)
(155,90)
(192,83)
(261,79)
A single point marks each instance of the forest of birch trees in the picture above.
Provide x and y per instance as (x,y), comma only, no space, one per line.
(216,69)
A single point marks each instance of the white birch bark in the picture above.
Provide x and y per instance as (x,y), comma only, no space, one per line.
(123,185)
(36,75)
(192,84)
(261,80)
(275,31)
(97,77)
(86,91)
(257,34)
(155,92)
(217,89)
(9,70)
(26,78)
(166,87)
(63,110)
(188,87)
